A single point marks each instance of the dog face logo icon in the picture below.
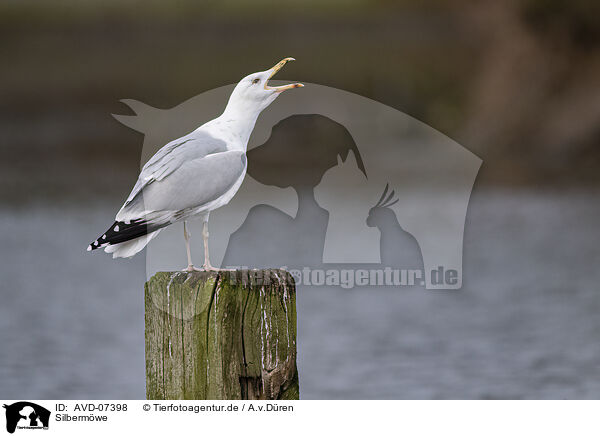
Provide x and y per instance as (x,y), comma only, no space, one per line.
(26,415)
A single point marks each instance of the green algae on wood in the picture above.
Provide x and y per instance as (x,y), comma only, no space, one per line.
(221,335)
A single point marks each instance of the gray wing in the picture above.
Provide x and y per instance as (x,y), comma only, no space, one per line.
(186,173)
(170,157)
(196,183)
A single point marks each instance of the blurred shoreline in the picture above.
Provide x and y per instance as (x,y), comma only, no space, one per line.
(515,82)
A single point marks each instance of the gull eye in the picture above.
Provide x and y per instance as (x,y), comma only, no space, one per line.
(255,81)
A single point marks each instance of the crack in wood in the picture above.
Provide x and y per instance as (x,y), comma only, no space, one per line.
(217,342)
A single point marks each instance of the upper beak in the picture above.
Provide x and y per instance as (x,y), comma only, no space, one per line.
(274,70)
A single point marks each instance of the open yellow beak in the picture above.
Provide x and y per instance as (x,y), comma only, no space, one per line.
(274,70)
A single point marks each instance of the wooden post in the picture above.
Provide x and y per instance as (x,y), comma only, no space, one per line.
(225,335)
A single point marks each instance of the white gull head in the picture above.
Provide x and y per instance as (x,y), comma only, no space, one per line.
(253,94)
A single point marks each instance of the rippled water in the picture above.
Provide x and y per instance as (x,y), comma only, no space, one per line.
(525,325)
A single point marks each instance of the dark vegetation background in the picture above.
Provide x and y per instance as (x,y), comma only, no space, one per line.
(516,82)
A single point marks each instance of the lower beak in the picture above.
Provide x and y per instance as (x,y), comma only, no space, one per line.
(274,70)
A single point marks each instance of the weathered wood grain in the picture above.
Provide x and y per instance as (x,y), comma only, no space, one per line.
(225,335)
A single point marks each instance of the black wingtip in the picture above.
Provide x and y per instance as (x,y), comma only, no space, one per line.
(119,232)
(95,245)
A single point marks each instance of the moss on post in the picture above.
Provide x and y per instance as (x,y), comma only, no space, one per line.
(225,335)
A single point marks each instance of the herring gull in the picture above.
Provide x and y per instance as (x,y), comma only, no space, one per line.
(193,175)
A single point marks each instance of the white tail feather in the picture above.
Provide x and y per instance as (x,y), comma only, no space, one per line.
(132,247)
